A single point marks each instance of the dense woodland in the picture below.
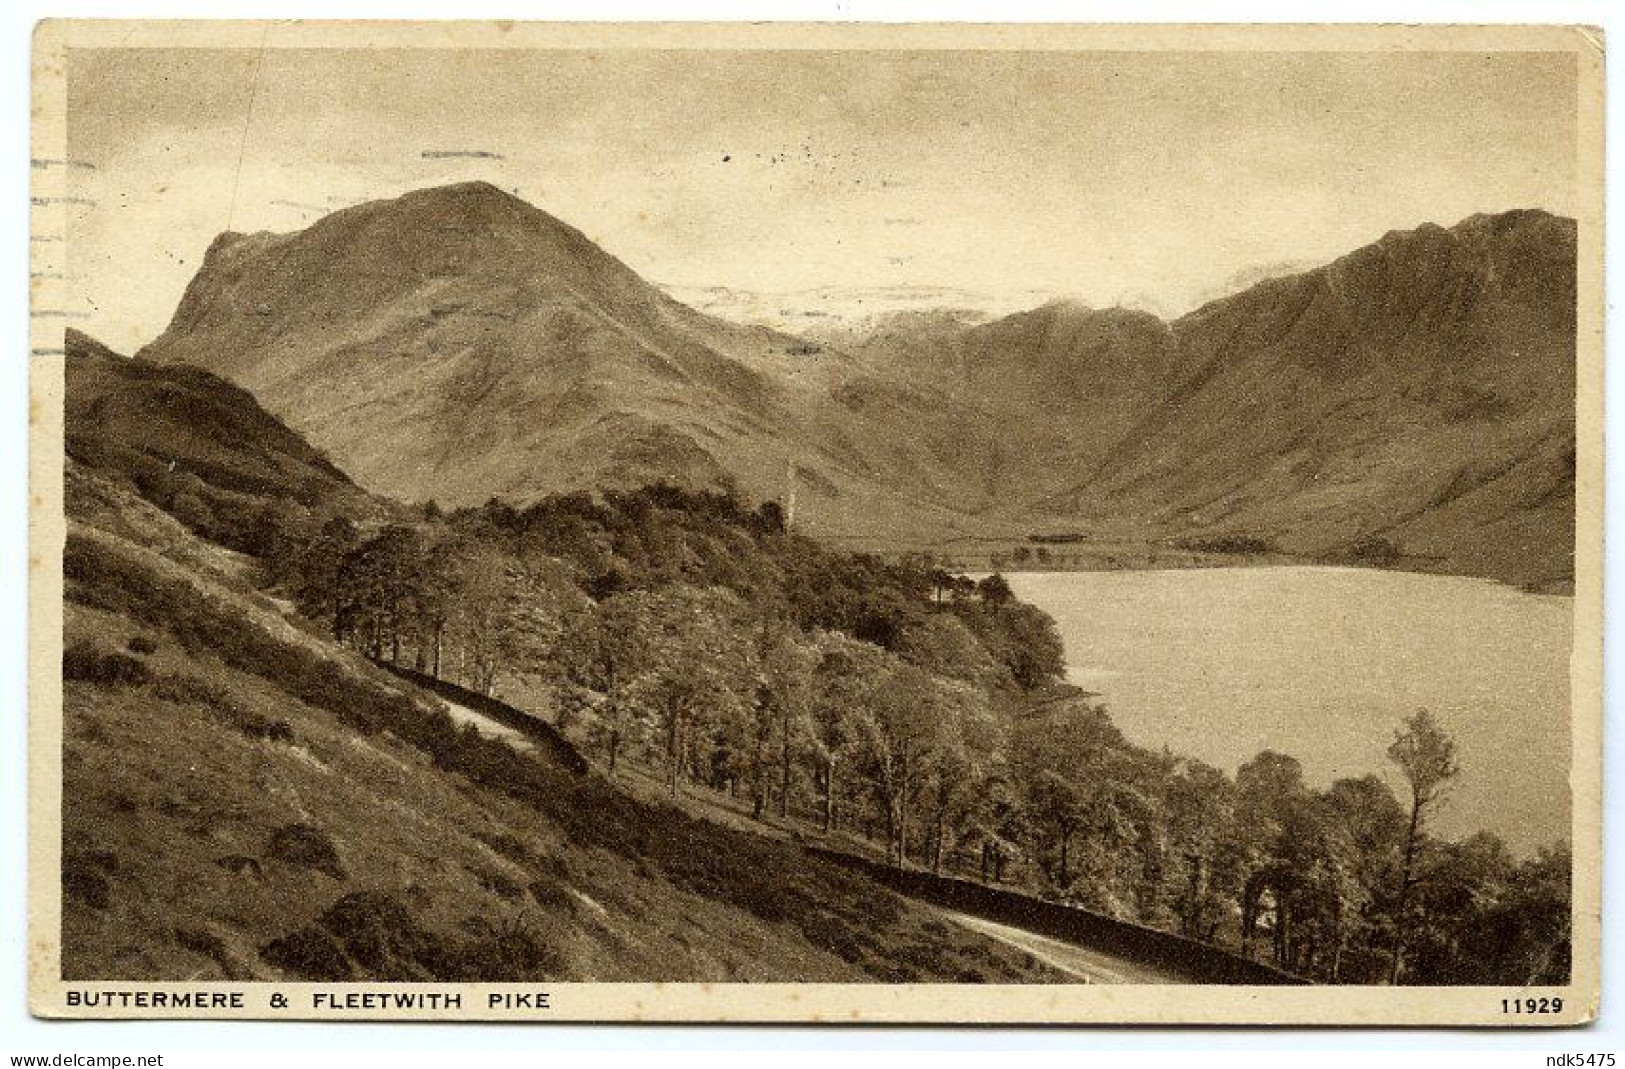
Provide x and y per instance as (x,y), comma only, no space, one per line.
(687,636)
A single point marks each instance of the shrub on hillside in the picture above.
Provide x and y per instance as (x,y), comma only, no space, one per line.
(308,847)
(371,935)
(189,507)
(366,934)
(85,877)
(1374,551)
(310,954)
(189,690)
(86,662)
(1233,544)
(553,896)
(505,844)
(209,946)
(507,949)
(380,934)
(497,883)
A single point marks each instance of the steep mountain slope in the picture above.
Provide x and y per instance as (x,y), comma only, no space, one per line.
(140,416)
(1042,394)
(221,478)
(1411,403)
(1416,396)
(457,343)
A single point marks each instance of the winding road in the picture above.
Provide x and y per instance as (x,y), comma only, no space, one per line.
(1081,964)
(1088,966)
(462,714)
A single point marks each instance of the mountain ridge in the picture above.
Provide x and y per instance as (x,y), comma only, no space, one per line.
(458,343)
(461,312)
(139,417)
(1378,389)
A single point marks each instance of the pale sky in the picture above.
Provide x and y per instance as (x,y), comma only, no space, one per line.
(1147,178)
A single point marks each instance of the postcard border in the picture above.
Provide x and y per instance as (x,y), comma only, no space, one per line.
(49,995)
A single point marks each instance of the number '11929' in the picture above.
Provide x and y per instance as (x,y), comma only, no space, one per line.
(1532,1005)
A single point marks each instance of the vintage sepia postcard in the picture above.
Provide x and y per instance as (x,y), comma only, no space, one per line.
(816,523)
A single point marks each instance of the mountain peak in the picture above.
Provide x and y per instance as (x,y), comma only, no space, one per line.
(1114,316)
(1484,224)
(1555,233)
(473,187)
(465,194)
(1510,218)
(440,209)
(76,341)
(469,245)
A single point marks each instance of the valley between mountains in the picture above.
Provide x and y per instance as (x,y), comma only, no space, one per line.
(445,445)
(1409,405)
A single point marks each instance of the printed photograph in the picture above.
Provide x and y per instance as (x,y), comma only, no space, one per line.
(850,515)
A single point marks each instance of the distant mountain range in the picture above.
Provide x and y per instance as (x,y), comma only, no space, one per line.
(1410,403)
(839,311)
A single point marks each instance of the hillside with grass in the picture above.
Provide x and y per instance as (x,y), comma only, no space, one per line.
(323,735)
(247,800)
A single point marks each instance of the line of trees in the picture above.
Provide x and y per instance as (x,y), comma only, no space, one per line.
(923,711)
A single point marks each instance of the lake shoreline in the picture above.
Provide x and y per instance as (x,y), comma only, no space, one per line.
(1549,588)
(1322,662)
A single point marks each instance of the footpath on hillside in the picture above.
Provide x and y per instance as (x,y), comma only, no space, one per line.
(1090,947)
(1088,966)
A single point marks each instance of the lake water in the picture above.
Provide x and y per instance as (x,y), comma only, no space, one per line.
(1323,664)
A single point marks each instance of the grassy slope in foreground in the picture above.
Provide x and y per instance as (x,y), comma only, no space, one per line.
(245,800)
